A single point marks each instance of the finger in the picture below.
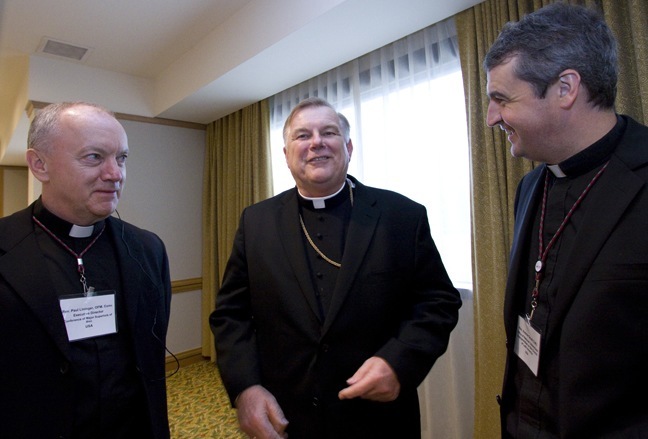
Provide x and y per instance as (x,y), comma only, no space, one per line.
(277,418)
(355,390)
(356,387)
(360,374)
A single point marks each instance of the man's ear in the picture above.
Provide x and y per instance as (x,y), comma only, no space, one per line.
(37,165)
(569,83)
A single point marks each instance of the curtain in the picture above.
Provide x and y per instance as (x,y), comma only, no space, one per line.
(495,173)
(236,174)
(405,104)
(628,19)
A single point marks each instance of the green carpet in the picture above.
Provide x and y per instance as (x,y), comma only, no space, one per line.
(198,405)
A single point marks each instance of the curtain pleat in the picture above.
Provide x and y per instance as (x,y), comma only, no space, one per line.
(237,173)
(495,173)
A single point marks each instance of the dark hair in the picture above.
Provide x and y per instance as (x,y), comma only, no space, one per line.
(315,101)
(558,37)
(46,122)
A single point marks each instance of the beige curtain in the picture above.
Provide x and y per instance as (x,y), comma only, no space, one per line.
(237,174)
(495,173)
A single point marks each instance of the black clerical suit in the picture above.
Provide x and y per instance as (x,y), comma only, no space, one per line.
(53,388)
(593,302)
(391,298)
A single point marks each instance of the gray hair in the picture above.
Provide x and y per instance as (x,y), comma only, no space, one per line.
(559,37)
(46,123)
(315,101)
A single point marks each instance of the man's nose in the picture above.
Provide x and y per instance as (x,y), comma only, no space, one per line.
(316,140)
(113,171)
(493,116)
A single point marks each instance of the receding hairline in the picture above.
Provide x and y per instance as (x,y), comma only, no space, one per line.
(315,102)
(47,121)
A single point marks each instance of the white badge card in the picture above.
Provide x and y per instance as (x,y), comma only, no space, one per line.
(89,316)
(527,344)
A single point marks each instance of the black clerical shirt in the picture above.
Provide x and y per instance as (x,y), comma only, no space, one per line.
(327,228)
(109,397)
(535,415)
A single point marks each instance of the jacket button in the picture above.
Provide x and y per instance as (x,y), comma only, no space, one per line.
(65,367)
(316,401)
(325,348)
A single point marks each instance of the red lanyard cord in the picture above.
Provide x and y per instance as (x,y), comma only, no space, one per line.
(542,253)
(79,257)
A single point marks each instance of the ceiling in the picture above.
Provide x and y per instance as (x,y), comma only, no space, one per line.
(196,60)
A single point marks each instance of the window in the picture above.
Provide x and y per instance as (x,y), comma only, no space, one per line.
(405,104)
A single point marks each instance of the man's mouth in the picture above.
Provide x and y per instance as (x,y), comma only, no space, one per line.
(508,130)
(318,159)
(108,191)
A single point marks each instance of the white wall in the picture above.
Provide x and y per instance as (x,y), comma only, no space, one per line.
(163,194)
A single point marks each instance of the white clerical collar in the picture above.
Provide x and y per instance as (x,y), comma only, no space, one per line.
(320,202)
(81,231)
(557,171)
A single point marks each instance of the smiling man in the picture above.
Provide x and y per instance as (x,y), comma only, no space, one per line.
(84,296)
(577,292)
(335,303)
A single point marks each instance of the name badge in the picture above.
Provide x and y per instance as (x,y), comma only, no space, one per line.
(89,316)
(527,344)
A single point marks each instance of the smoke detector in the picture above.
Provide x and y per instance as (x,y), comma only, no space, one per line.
(62,49)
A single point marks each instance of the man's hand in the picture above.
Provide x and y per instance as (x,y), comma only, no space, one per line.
(259,414)
(375,380)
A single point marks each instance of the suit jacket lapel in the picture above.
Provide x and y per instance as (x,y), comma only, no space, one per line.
(136,282)
(364,218)
(604,206)
(529,198)
(130,273)
(35,291)
(293,248)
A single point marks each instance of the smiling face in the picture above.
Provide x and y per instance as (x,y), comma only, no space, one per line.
(83,168)
(316,152)
(532,123)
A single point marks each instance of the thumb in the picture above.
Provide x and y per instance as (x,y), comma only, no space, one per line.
(277,418)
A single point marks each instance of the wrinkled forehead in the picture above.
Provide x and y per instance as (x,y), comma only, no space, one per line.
(91,128)
(314,117)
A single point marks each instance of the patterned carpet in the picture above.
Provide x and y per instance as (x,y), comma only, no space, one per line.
(198,405)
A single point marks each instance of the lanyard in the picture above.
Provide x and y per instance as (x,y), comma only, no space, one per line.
(79,257)
(543,252)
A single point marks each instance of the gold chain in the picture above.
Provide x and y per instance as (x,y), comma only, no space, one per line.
(310,240)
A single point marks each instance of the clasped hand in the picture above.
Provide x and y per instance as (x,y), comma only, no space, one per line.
(260,416)
(375,381)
